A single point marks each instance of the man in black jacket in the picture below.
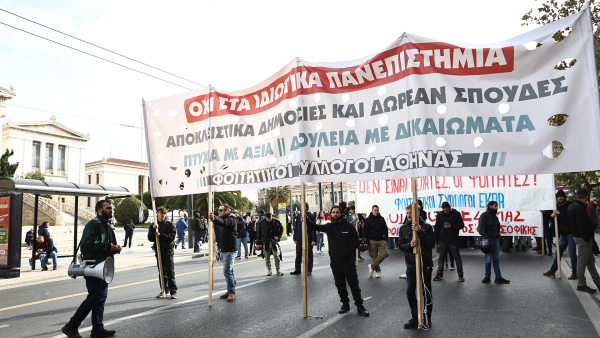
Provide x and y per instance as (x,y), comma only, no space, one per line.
(242,237)
(343,241)
(407,243)
(269,233)
(312,241)
(583,231)
(448,225)
(564,231)
(165,231)
(227,238)
(376,231)
(129,227)
(489,229)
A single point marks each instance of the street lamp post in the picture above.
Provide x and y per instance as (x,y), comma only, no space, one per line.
(320,198)
(332,192)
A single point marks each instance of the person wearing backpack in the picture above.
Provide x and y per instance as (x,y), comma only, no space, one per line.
(129,227)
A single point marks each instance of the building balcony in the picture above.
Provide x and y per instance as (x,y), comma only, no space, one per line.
(61,172)
(49,172)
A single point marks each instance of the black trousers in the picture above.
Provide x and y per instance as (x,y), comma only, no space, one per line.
(345,271)
(299,256)
(128,234)
(168,266)
(452,249)
(411,290)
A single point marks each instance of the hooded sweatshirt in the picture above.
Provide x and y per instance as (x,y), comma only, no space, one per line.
(375,228)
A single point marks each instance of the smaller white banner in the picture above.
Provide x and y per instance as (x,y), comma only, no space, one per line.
(520,199)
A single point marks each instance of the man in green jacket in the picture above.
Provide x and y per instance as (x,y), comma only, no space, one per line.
(98,242)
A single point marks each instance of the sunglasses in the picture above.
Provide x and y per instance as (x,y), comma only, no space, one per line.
(221,210)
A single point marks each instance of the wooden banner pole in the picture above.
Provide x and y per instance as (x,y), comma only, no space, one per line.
(304,253)
(557,247)
(160,269)
(417,252)
(211,250)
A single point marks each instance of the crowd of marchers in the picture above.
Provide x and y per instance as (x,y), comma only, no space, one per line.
(348,233)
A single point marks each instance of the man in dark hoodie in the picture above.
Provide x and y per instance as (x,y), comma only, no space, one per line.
(566,237)
(227,238)
(489,229)
(583,231)
(448,224)
(165,231)
(376,231)
(343,241)
(407,243)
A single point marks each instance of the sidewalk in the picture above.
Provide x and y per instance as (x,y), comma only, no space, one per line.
(130,258)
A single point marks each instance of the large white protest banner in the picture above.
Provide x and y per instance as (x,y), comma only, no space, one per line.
(520,199)
(420,107)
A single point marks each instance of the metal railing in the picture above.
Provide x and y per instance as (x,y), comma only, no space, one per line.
(44,205)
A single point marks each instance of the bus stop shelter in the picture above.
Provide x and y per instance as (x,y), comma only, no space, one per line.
(38,187)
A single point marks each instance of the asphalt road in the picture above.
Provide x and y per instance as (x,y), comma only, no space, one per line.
(531,306)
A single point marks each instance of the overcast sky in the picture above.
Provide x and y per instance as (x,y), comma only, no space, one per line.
(230,44)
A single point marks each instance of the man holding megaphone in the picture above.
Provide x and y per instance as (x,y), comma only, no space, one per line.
(98,242)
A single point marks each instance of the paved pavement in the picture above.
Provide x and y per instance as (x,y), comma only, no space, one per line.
(531,306)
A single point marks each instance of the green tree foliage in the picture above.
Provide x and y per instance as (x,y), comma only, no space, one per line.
(34,175)
(278,195)
(548,12)
(263,206)
(160,201)
(232,198)
(129,208)
(7,169)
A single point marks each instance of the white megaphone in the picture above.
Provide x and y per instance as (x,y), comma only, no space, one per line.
(104,270)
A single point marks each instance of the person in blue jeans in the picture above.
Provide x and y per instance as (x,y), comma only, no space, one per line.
(45,247)
(489,229)
(227,239)
(196,228)
(320,235)
(565,235)
(181,229)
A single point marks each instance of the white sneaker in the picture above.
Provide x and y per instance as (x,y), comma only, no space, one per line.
(402,276)
(377,274)
(269,273)
(370,271)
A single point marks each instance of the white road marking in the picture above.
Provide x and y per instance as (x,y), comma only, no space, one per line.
(115,321)
(317,329)
(3,326)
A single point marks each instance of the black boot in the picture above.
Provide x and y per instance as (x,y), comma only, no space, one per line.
(345,308)
(362,311)
(69,332)
(413,323)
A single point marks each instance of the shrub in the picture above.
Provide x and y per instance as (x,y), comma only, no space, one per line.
(129,208)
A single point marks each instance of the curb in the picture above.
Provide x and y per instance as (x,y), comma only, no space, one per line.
(18,283)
